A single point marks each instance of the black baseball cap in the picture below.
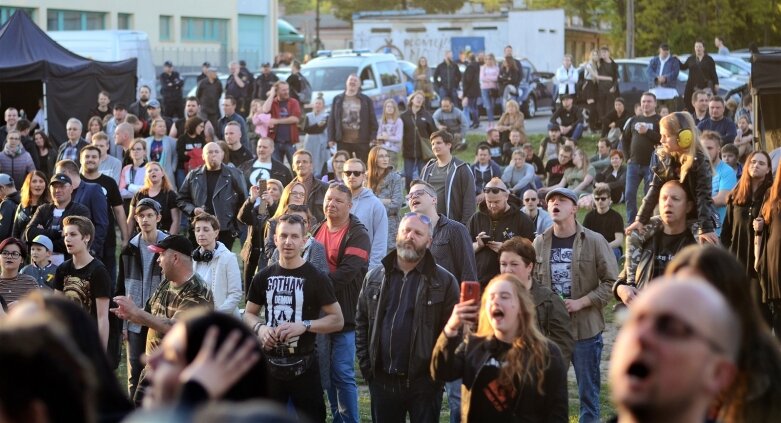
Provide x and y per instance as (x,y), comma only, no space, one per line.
(266,65)
(148,203)
(168,63)
(206,64)
(60,178)
(177,243)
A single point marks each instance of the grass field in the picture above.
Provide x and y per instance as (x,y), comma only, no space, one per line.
(588,144)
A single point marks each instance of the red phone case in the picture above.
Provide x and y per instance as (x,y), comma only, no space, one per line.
(470,290)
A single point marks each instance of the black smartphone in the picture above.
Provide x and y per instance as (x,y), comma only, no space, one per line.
(487,238)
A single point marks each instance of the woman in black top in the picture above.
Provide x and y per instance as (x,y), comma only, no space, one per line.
(34,192)
(254,213)
(418,126)
(507,356)
(157,187)
(702,74)
(607,83)
(47,153)
(189,148)
(767,235)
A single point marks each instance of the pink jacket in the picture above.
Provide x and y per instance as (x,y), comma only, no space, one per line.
(489,75)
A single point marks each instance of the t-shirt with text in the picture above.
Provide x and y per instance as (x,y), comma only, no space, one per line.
(292,296)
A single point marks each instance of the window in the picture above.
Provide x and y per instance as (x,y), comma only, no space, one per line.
(389,73)
(74,20)
(165,27)
(200,29)
(6,13)
(124,21)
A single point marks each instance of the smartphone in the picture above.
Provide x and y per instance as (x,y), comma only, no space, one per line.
(262,185)
(470,290)
(487,238)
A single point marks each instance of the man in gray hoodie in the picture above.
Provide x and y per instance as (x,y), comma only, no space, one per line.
(452,179)
(368,209)
(452,119)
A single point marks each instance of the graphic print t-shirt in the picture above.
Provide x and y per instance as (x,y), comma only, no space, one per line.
(561,265)
(83,285)
(292,295)
(351,118)
(490,401)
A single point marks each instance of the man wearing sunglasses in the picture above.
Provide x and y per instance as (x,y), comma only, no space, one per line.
(368,209)
(604,220)
(531,207)
(451,178)
(496,221)
(403,307)
(675,354)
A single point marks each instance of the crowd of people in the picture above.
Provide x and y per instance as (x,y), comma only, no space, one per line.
(484,291)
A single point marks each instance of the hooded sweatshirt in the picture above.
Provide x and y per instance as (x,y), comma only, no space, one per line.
(223,279)
(371,212)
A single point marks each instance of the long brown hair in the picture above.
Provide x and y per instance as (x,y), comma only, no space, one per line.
(26,194)
(528,357)
(742,193)
(375,175)
(284,199)
(773,199)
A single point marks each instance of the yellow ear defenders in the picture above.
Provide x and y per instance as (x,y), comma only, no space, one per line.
(685,135)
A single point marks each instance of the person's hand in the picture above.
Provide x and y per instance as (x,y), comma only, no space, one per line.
(626,293)
(612,125)
(494,246)
(266,198)
(612,89)
(465,312)
(574,305)
(126,309)
(289,330)
(759,225)
(635,226)
(586,202)
(331,144)
(479,198)
(267,337)
(254,192)
(479,239)
(709,238)
(321,123)
(217,371)
(124,243)
(198,210)
(272,122)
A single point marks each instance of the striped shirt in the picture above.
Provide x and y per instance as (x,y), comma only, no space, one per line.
(169,302)
(12,289)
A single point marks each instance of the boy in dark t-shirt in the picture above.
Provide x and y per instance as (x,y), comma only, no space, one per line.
(83,278)
(604,220)
(293,293)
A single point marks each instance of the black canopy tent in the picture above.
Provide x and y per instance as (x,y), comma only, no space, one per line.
(33,65)
(766,90)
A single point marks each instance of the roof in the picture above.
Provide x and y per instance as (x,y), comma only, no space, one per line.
(764,73)
(29,54)
(327,21)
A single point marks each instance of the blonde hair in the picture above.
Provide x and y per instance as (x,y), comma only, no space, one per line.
(685,158)
(395,115)
(528,357)
(284,199)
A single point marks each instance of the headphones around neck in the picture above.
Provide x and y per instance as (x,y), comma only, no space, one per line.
(202,257)
(685,134)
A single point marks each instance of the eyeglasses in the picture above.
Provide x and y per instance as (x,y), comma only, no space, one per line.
(416,194)
(672,328)
(527,200)
(355,173)
(11,254)
(423,218)
(600,198)
(493,190)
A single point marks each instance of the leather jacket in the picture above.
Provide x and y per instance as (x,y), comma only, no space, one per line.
(229,194)
(438,292)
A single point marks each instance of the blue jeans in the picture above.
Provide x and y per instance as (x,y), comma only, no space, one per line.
(471,111)
(454,400)
(343,393)
(282,150)
(412,170)
(585,360)
(577,131)
(634,174)
(488,104)
(451,93)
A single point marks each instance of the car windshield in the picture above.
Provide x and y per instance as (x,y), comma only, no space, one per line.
(328,78)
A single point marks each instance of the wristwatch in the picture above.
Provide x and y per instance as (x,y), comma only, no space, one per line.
(307,325)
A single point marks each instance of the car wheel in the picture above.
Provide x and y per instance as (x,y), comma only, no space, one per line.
(531,107)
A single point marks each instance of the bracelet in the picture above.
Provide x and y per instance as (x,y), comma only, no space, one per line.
(256,327)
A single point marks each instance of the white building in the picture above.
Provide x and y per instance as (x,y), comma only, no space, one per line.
(187,32)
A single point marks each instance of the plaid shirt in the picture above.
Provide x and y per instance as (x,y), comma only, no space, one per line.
(170,302)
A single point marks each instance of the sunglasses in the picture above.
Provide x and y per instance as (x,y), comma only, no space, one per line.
(416,194)
(600,198)
(423,218)
(493,190)
(526,200)
(355,173)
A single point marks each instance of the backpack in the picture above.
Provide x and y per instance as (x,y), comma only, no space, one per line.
(305,95)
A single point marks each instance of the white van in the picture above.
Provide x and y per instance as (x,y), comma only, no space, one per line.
(112,46)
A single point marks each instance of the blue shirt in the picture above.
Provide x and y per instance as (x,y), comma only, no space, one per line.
(725,127)
(724,179)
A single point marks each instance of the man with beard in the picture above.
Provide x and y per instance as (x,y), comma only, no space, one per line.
(192,109)
(397,324)
(353,124)
(139,108)
(368,209)
(578,265)
(496,221)
(347,247)
(675,354)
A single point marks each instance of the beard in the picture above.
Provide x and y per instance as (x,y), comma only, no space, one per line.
(408,252)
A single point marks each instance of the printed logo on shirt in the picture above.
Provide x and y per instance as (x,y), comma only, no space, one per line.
(285,302)
(561,271)
(497,395)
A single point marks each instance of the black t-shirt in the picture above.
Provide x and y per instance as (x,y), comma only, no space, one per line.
(240,156)
(111,191)
(167,200)
(84,285)
(212,176)
(555,171)
(491,402)
(667,249)
(606,224)
(292,295)
(539,168)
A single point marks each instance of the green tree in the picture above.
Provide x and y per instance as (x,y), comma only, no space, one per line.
(294,7)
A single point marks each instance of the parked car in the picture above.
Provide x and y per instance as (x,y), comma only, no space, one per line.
(740,70)
(745,54)
(380,75)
